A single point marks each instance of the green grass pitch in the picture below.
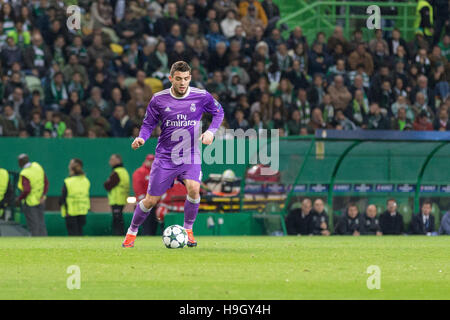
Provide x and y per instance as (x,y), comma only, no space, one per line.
(226,268)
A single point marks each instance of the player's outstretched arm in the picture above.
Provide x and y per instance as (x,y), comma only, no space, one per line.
(137,143)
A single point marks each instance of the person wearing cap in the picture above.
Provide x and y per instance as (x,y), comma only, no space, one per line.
(118,188)
(33,184)
(140,184)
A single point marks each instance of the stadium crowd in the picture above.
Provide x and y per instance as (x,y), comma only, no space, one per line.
(94,82)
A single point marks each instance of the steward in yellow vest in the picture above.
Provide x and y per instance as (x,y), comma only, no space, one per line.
(6,191)
(118,188)
(424,18)
(75,202)
(34,186)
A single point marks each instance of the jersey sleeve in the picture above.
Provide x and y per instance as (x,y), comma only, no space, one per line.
(150,120)
(213,107)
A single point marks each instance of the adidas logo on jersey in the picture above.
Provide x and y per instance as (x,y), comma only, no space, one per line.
(167,109)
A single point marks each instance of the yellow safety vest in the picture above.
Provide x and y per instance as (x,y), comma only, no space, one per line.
(119,194)
(77,200)
(35,174)
(4,181)
(420,5)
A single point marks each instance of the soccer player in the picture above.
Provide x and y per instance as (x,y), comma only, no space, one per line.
(180,110)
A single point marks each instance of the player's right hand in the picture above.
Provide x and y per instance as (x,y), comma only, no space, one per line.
(137,143)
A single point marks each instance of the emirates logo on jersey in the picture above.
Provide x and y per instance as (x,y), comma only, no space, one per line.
(193,108)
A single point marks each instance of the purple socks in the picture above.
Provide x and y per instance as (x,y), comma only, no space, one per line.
(190,211)
(139,216)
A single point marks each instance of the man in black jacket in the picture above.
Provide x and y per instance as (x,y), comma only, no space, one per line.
(391,221)
(319,219)
(423,223)
(350,223)
(298,221)
(371,223)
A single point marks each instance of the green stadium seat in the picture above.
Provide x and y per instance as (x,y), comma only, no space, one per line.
(406,211)
(436,212)
(34,83)
(272,207)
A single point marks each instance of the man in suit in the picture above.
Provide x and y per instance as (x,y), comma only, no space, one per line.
(298,221)
(351,223)
(391,221)
(423,222)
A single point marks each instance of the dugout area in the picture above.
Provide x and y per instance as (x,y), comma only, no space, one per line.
(337,171)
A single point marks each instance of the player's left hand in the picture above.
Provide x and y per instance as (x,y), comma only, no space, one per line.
(207,137)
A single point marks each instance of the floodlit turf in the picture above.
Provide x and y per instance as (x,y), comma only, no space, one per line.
(226,268)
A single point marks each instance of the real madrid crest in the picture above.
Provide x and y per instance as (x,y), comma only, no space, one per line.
(193,108)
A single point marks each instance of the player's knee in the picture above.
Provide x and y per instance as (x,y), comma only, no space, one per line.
(149,202)
(194,194)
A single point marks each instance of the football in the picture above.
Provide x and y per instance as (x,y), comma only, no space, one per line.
(174,237)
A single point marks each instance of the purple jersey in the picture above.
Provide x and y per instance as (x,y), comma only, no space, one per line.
(180,122)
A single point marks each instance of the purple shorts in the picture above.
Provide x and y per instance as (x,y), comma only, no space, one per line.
(164,173)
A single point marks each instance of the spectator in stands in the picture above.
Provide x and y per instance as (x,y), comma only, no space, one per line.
(37,57)
(35,127)
(338,38)
(75,121)
(294,125)
(351,222)
(96,100)
(441,122)
(358,111)
(301,103)
(299,221)
(361,57)
(318,60)
(342,122)
(317,122)
(223,7)
(395,42)
(391,221)
(340,95)
(97,123)
(423,122)
(423,222)
(319,219)
(11,53)
(253,8)
(327,108)
(120,122)
(376,120)
(371,222)
(56,95)
(317,90)
(239,122)
(229,23)
(56,126)
(400,121)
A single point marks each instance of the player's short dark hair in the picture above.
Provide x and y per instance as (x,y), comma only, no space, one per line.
(352,204)
(181,66)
